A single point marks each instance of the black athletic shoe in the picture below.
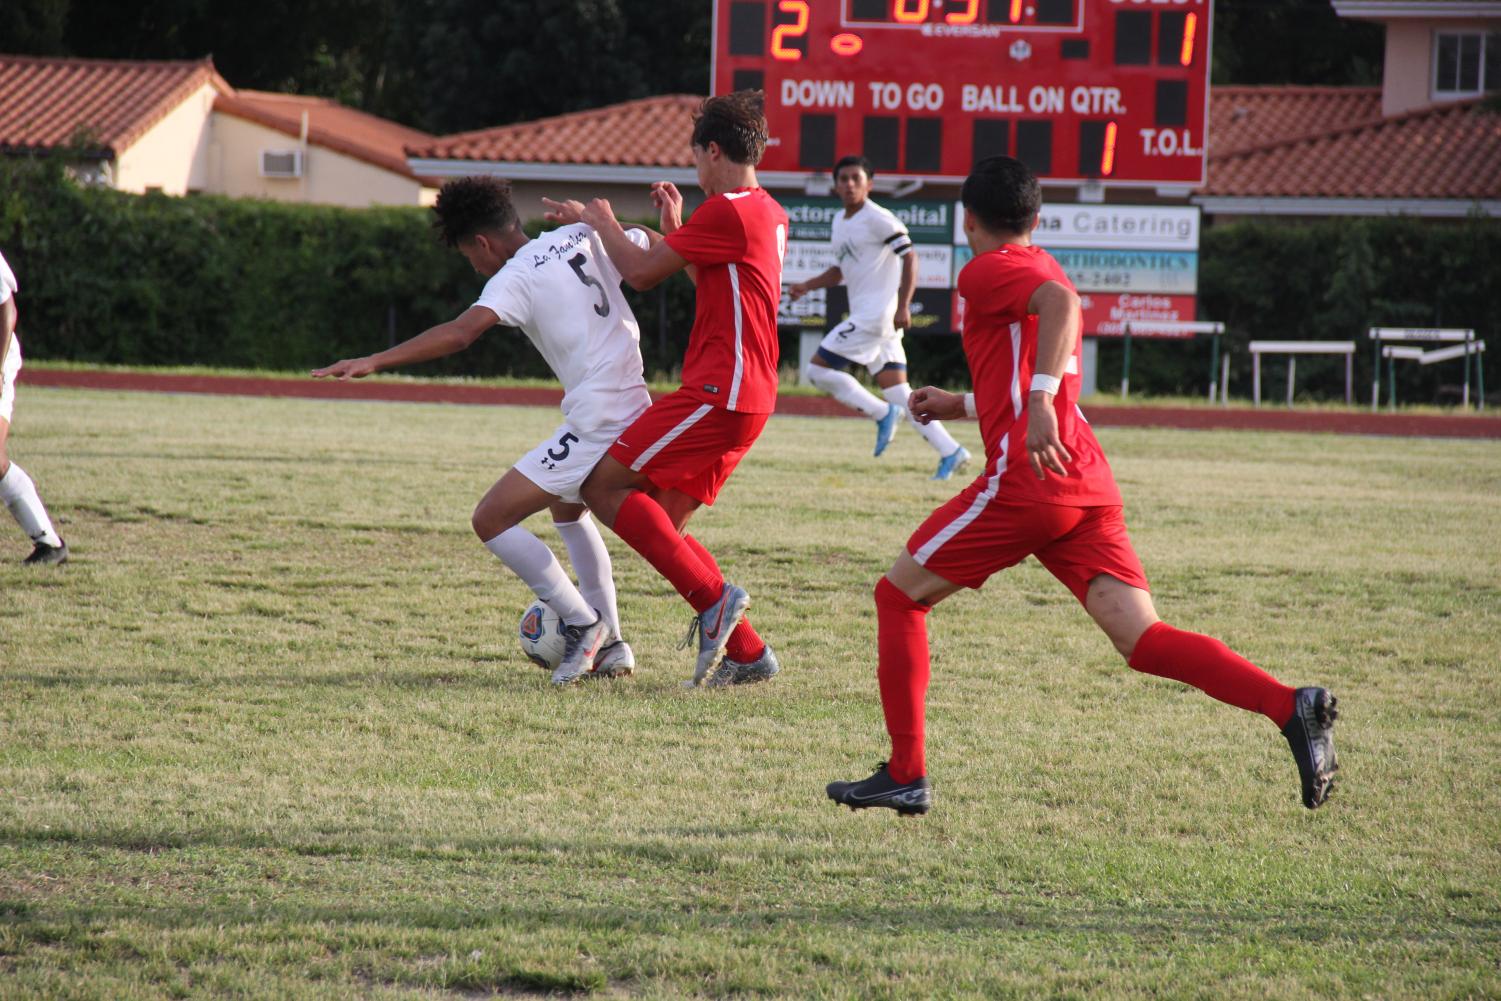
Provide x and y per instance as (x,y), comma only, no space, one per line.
(1310,734)
(45,555)
(881,789)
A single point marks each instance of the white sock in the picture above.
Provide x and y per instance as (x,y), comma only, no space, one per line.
(843,387)
(591,562)
(934,432)
(19,494)
(531,560)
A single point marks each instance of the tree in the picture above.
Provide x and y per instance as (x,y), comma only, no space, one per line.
(34,27)
(491,62)
(1293,42)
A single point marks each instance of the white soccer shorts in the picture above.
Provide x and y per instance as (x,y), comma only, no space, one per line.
(865,347)
(8,370)
(562,463)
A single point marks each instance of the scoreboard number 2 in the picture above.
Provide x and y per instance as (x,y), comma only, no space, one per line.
(796,29)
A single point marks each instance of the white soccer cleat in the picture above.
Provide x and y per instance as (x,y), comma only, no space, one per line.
(614,660)
(714,625)
(581,645)
(734,672)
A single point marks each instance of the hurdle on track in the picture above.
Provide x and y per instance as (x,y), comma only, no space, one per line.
(1463,345)
(1294,348)
(1175,330)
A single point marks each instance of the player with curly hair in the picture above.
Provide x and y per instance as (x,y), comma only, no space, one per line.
(563,292)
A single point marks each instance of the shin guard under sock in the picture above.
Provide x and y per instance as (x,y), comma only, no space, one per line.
(1210,666)
(645,527)
(902,640)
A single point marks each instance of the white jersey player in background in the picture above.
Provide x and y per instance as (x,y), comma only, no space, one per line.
(562,291)
(17,491)
(873,256)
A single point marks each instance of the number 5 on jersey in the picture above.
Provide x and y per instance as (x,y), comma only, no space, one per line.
(577,263)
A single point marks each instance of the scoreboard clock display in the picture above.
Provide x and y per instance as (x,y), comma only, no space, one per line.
(1114,91)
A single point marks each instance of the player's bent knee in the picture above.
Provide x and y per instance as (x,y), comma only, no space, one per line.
(491,519)
(1123,611)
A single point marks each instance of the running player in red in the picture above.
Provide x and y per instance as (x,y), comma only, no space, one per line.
(678,454)
(1048,492)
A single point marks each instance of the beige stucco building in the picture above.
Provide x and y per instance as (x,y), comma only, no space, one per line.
(180,128)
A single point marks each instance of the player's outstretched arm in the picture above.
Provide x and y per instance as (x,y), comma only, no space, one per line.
(434,342)
(828,279)
(933,404)
(1058,324)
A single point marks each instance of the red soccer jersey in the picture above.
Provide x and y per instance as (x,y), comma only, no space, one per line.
(1000,344)
(737,241)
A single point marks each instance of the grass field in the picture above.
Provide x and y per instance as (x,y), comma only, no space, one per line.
(269,734)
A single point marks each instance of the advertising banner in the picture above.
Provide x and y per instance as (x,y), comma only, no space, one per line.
(1107,227)
(1106,315)
(809,253)
(1167,271)
(1129,262)
(813,218)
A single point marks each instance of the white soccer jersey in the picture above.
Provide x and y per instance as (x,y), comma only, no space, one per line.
(10,348)
(8,285)
(564,294)
(868,247)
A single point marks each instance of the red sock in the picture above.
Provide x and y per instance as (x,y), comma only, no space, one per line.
(902,631)
(645,527)
(1212,667)
(744,645)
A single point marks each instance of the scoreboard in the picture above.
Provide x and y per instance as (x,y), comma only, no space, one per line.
(1115,91)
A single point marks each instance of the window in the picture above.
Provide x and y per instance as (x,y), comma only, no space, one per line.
(1466,63)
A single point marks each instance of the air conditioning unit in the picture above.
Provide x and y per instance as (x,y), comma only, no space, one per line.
(281,163)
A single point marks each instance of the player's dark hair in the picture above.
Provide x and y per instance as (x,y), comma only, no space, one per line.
(854,161)
(473,205)
(737,122)
(1003,194)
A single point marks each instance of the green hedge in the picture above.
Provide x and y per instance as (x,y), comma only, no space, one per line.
(155,280)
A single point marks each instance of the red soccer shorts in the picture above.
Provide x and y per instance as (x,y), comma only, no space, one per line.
(974,535)
(688,446)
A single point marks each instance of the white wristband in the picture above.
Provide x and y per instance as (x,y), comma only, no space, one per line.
(969,405)
(1045,384)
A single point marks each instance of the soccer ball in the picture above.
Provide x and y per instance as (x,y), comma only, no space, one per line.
(541,634)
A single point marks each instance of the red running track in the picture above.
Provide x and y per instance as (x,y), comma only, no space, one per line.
(1198,418)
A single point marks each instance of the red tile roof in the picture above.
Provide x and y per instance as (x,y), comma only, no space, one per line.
(366,137)
(1451,151)
(1242,117)
(651,132)
(1305,142)
(48,102)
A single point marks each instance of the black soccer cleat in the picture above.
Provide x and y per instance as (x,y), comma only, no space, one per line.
(906,798)
(1310,734)
(45,555)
